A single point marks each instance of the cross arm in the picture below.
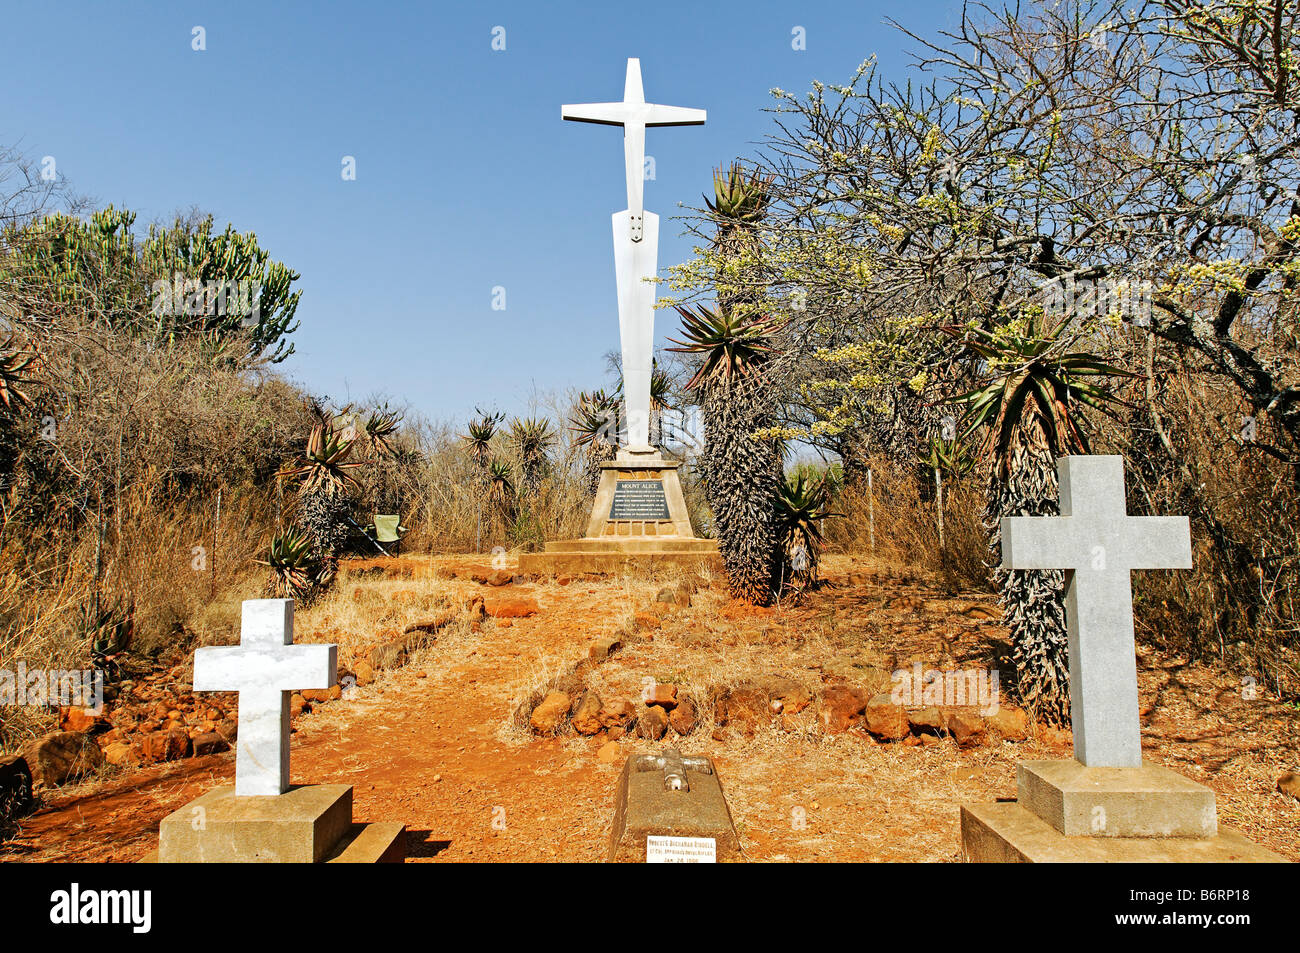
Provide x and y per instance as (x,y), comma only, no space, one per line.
(1041,542)
(607,114)
(240,668)
(674,116)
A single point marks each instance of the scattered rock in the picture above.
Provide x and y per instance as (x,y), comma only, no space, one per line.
(683,718)
(550,713)
(604,647)
(645,622)
(1010,723)
(500,578)
(790,696)
(586,720)
(930,718)
(510,607)
(885,719)
(364,673)
(81,719)
(662,695)
(652,724)
(1289,783)
(121,754)
(167,745)
(432,624)
(62,755)
(609,752)
(620,714)
(965,727)
(842,705)
(208,743)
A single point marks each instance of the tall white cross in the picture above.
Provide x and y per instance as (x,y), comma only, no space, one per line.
(636,239)
(1099,544)
(265,668)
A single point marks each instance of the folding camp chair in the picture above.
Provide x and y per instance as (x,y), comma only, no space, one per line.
(387,531)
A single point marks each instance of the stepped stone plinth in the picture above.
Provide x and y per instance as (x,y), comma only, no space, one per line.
(638,520)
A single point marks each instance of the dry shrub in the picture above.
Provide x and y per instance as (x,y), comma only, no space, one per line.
(907,527)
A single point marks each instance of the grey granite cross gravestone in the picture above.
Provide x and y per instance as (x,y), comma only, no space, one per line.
(1105,805)
(1099,544)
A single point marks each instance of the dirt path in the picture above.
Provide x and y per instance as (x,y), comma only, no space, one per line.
(429,744)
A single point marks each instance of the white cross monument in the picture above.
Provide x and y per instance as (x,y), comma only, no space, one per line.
(1099,544)
(265,668)
(636,240)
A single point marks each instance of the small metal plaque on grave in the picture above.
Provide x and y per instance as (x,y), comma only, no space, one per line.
(639,500)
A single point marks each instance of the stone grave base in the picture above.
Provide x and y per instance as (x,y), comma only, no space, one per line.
(305,825)
(644,808)
(638,521)
(1067,812)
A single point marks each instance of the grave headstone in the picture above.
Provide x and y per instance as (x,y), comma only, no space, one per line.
(1106,804)
(671,809)
(262,818)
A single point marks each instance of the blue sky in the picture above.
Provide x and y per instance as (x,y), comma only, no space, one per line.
(466,178)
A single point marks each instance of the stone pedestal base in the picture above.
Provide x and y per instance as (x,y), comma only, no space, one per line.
(1006,833)
(645,808)
(638,520)
(305,825)
(1067,811)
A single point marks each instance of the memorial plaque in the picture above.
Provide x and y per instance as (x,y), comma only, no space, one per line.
(639,500)
(681,850)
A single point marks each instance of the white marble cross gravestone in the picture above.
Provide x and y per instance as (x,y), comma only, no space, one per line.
(636,240)
(1098,543)
(265,668)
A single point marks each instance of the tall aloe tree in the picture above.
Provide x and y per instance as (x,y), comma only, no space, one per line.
(324,480)
(532,438)
(1031,406)
(742,470)
(594,423)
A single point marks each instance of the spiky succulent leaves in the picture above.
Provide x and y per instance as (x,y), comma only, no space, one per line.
(1030,378)
(324,466)
(731,346)
(739,197)
(381,427)
(109,630)
(295,566)
(1030,407)
(594,423)
(501,489)
(478,441)
(15,366)
(532,438)
(802,504)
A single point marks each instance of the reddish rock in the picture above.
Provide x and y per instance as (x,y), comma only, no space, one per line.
(842,706)
(604,647)
(550,713)
(510,607)
(586,720)
(170,744)
(563,580)
(1009,723)
(619,714)
(745,709)
(317,694)
(62,755)
(652,724)
(683,718)
(966,727)
(930,718)
(364,673)
(664,696)
(432,624)
(121,754)
(645,622)
(613,734)
(789,697)
(609,752)
(209,743)
(885,719)
(499,578)
(82,720)
(1289,783)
